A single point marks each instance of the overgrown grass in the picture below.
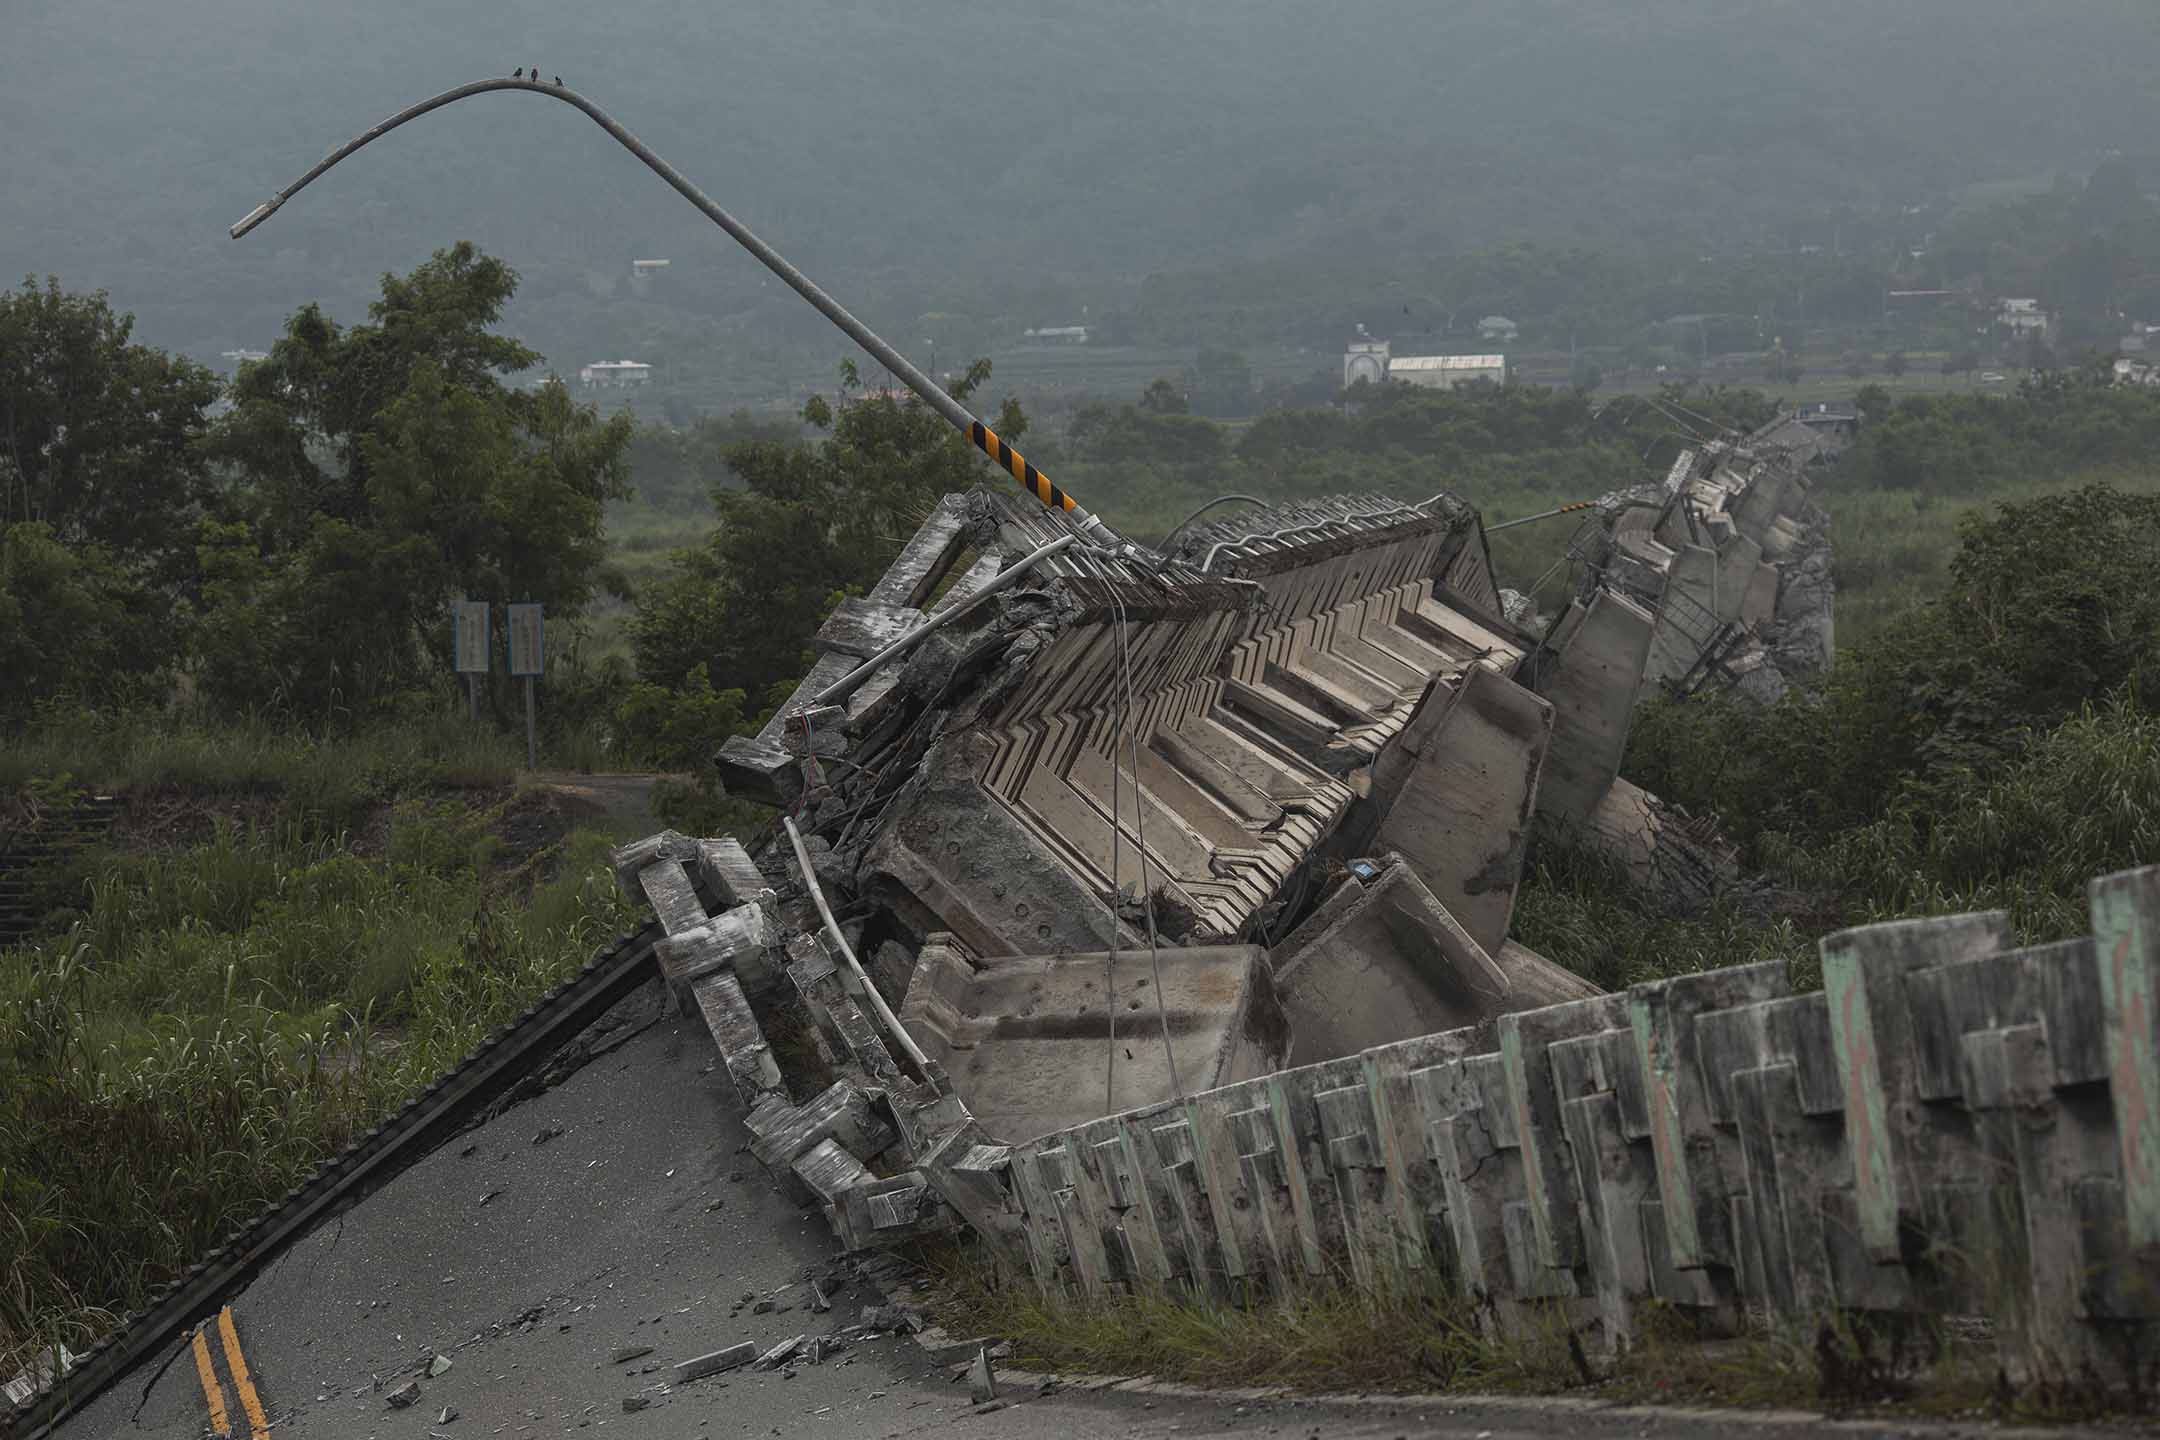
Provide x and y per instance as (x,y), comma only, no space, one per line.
(1576,908)
(227,1015)
(1334,1337)
(1411,1338)
(323,782)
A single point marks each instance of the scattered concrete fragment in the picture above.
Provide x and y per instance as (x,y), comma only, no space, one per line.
(403,1395)
(780,1353)
(714,1363)
(438,1366)
(982,1383)
(624,1354)
(633,1403)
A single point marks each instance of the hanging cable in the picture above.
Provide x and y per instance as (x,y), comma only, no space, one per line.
(1179,528)
(1147,887)
(1116,921)
(980,435)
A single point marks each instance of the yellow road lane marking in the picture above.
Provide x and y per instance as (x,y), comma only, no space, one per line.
(258,1423)
(213,1392)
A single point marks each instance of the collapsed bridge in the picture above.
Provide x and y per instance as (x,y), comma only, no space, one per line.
(1072,831)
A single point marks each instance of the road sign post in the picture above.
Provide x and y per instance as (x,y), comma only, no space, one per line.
(527,658)
(469,631)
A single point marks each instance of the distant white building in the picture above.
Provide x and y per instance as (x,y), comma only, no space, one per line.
(615,374)
(1366,359)
(1445,372)
(243,356)
(2021,316)
(1497,327)
(1059,335)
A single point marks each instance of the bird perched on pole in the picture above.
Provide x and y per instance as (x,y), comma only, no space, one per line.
(518,74)
(558,80)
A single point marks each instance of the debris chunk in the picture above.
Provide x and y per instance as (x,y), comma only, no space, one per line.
(717,1361)
(982,1383)
(624,1354)
(404,1395)
(631,1404)
(438,1367)
(779,1353)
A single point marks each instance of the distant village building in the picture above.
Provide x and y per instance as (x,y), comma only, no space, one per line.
(243,356)
(1445,372)
(2021,316)
(615,374)
(2136,372)
(648,267)
(1059,335)
(1497,327)
(1370,360)
(1366,359)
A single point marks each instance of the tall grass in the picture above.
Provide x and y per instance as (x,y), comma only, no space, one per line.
(223,1018)
(327,781)
(1891,549)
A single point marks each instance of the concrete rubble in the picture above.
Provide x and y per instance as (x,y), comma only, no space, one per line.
(1143,825)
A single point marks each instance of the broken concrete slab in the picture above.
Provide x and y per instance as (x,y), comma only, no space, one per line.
(1390,963)
(1592,686)
(1037,1042)
(1459,795)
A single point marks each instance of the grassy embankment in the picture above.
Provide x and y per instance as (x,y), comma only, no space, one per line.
(284,940)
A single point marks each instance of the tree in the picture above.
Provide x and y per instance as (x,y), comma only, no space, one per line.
(388,470)
(73,622)
(1163,397)
(99,437)
(1584,373)
(809,522)
(1895,364)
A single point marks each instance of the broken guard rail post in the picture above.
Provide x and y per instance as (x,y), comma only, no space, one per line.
(980,435)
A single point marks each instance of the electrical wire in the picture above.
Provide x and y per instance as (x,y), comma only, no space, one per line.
(1179,528)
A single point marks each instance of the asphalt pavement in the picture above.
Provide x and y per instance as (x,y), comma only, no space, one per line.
(617,1213)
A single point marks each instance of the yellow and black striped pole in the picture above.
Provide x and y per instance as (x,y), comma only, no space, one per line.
(933,395)
(1031,480)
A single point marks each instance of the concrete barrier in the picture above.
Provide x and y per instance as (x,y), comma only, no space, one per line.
(1954,1126)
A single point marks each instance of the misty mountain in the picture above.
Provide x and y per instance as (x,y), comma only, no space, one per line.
(991,164)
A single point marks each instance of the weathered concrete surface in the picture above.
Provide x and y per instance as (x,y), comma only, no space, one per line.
(1456,795)
(1041,1042)
(1384,961)
(1686,617)
(1592,688)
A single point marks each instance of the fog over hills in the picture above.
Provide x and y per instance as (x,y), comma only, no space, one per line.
(995,163)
